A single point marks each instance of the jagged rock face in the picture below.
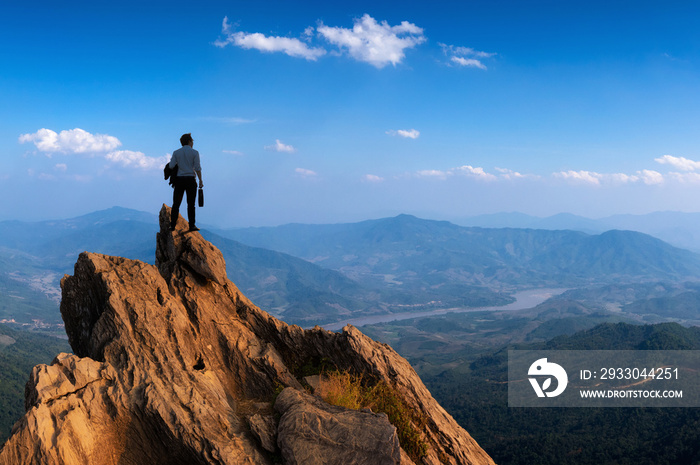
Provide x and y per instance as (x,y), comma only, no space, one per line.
(173,365)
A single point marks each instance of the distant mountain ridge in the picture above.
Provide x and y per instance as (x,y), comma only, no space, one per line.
(412,252)
(677,228)
(44,251)
(20,235)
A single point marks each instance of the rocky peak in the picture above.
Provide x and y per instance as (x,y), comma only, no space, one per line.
(173,365)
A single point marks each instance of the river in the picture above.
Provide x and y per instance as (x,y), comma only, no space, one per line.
(523,300)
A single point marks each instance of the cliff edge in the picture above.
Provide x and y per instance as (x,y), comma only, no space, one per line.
(173,365)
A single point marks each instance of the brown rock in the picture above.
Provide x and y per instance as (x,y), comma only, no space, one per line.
(264,428)
(172,362)
(312,432)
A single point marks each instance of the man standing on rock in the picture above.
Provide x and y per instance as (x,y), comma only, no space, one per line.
(187,161)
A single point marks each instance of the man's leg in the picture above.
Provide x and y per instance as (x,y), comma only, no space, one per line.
(178,192)
(191,197)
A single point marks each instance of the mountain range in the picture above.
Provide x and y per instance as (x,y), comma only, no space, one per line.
(310,274)
(410,252)
(36,255)
(677,228)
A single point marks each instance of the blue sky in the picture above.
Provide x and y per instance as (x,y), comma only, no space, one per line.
(343,111)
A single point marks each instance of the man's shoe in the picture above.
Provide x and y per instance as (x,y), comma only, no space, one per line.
(194,228)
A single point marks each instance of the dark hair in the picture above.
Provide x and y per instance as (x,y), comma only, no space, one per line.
(185,139)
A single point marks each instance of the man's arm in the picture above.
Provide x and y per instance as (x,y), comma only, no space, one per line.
(198,168)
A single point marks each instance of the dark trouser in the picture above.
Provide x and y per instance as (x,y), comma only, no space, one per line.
(181,185)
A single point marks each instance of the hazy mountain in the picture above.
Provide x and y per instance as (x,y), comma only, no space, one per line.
(623,336)
(651,302)
(318,273)
(123,238)
(295,289)
(23,290)
(521,220)
(409,252)
(683,305)
(677,228)
(291,287)
(35,255)
(680,229)
(24,235)
(42,252)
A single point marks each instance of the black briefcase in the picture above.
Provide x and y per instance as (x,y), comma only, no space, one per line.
(201,197)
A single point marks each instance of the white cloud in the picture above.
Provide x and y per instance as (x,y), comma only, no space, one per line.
(278,146)
(308,33)
(651,177)
(681,163)
(407,133)
(477,172)
(305,173)
(130,159)
(468,51)
(233,152)
(470,62)
(466,170)
(433,174)
(510,174)
(691,178)
(375,43)
(70,141)
(620,178)
(466,56)
(648,177)
(369,41)
(372,178)
(290,46)
(79,141)
(588,177)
